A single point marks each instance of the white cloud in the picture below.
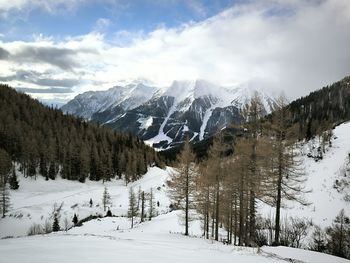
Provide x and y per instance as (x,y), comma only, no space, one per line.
(51,6)
(296,46)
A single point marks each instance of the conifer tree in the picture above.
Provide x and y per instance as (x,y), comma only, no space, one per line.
(132,211)
(216,171)
(142,206)
(204,196)
(14,185)
(75,220)
(253,113)
(5,170)
(288,170)
(151,205)
(182,184)
(339,236)
(319,240)
(52,171)
(55,225)
(106,199)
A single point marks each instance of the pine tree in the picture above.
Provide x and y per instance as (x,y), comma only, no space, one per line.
(106,199)
(5,170)
(75,220)
(182,184)
(55,225)
(52,171)
(132,211)
(14,185)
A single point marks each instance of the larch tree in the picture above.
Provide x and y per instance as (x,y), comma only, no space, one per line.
(151,205)
(132,211)
(204,196)
(142,206)
(216,173)
(339,236)
(253,112)
(182,184)
(287,172)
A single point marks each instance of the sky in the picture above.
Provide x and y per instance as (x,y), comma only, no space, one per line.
(56,49)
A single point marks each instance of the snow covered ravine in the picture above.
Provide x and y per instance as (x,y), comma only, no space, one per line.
(159,240)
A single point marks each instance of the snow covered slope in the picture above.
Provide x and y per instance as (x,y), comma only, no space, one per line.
(326,201)
(33,202)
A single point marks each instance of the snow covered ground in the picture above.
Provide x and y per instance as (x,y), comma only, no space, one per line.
(158,240)
(33,202)
(110,240)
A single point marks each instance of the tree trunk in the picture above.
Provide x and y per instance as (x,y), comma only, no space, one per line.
(217,210)
(278,208)
(187,200)
(142,206)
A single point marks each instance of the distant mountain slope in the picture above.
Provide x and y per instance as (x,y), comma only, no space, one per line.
(44,140)
(322,109)
(164,116)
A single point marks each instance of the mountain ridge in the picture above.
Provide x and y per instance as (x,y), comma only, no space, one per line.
(194,108)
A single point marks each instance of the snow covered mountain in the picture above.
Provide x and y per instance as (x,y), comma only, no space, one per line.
(164,116)
(122,97)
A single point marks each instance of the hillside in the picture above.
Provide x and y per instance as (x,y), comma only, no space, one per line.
(322,109)
(44,141)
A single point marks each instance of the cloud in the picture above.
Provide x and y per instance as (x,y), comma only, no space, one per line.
(46,90)
(54,7)
(295,46)
(40,79)
(36,53)
(4,54)
(61,57)
(51,6)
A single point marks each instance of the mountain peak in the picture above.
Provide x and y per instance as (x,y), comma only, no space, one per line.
(195,108)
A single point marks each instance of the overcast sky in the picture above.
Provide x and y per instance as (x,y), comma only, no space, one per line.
(55,49)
